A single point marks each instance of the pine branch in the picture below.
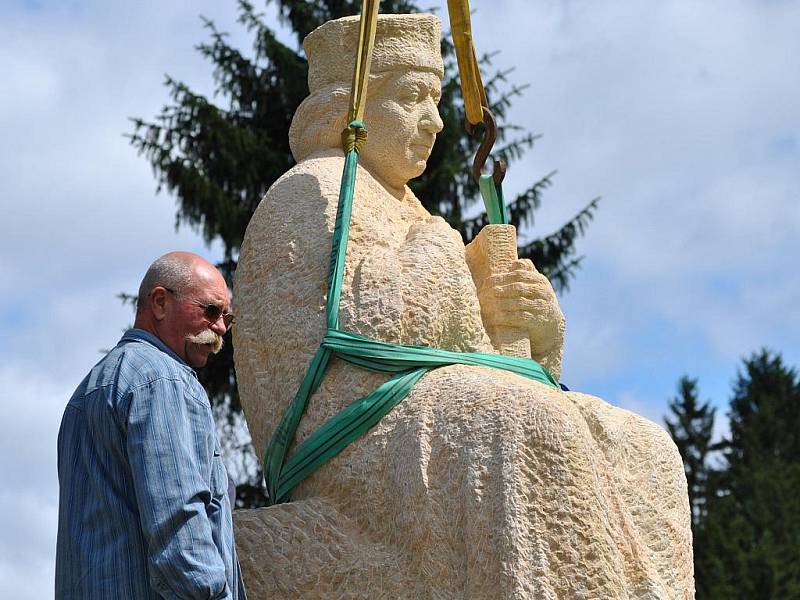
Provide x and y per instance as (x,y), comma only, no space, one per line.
(554,254)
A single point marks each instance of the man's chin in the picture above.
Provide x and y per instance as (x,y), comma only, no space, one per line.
(199,364)
(197,355)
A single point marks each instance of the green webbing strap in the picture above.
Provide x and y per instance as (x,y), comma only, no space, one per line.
(493,200)
(393,358)
(408,363)
(341,232)
(344,427)
(283,436)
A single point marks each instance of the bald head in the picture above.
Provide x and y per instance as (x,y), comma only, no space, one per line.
(182,300)
(175,271)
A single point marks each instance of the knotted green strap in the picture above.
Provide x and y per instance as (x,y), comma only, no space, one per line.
(407,363)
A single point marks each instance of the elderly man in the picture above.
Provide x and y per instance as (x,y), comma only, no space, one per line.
(144,510)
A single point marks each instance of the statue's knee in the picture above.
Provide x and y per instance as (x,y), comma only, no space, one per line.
(548,419)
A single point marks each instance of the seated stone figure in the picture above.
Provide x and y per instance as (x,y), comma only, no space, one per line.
(480,484)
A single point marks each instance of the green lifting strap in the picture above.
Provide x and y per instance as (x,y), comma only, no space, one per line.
(493,200)
(407,363)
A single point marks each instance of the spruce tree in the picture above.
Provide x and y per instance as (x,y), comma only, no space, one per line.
(691,429)
(218,156)
(751,534)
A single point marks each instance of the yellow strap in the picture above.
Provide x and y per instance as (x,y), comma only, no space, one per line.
(471,84)
(366,40)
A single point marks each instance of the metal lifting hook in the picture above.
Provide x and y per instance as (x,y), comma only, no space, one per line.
(487,143)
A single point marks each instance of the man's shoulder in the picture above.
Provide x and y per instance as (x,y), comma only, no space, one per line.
(135,363)
(145,363)
(129,367)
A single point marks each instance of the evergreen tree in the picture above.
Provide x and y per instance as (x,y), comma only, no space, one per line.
(751,534)
(691,430)
(219,157)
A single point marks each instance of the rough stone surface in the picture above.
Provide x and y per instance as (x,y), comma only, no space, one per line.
(480,484)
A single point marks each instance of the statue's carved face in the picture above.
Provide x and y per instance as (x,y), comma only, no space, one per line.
(402,119)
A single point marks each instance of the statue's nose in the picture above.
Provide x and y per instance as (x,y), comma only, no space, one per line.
(431,121)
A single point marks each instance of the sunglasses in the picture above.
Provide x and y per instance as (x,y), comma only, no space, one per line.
(211,312)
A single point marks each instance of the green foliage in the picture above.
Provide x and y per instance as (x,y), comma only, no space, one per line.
(218,156)
(748,543)
(218,162)
(692,429)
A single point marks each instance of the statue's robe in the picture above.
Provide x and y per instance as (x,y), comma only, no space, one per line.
(480,484)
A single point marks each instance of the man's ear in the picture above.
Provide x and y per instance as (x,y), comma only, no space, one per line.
(158,303)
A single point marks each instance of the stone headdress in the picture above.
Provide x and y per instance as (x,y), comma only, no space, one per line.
(402,42)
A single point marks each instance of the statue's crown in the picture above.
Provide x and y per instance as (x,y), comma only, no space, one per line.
(401,41)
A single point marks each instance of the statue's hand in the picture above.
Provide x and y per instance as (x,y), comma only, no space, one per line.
(523,298)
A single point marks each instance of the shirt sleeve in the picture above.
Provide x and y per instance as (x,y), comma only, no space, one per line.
(168,451)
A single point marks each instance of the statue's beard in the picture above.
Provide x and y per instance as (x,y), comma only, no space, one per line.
(207,338)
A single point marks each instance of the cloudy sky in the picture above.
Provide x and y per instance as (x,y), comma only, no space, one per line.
(684,116)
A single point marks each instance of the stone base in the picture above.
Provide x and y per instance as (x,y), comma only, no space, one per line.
(306,549)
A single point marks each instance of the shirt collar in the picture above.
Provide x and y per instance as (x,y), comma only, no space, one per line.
(140,335)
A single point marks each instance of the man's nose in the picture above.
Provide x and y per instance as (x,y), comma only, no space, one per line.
(218,326)
(431,121)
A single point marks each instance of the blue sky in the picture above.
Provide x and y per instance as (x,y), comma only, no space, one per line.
(682,115)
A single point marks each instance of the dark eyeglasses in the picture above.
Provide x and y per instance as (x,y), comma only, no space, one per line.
(211,312)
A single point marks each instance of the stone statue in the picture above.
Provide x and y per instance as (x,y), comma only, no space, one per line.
(480,484)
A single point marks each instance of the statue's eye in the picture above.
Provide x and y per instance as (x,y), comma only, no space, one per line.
(410,96)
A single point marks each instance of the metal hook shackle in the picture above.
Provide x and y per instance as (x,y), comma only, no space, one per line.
(485,148)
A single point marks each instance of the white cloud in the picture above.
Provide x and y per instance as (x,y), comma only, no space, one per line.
(30,415)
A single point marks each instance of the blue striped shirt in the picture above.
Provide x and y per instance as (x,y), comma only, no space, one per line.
(143,508)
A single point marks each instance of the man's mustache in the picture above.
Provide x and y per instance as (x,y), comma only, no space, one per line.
(207,338)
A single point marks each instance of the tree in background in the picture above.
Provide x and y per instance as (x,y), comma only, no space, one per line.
(218,159)
(750,536)
(692,429)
